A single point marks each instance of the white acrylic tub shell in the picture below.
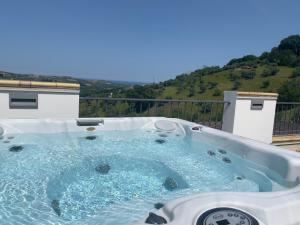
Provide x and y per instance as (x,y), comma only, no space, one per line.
(269,208)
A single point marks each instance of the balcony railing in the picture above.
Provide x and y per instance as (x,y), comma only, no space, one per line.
(287,118)
(208,112)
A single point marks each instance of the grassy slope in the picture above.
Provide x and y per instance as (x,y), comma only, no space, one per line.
(104,88)
(224,83)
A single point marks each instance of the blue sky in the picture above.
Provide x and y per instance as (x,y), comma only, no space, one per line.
(137,40)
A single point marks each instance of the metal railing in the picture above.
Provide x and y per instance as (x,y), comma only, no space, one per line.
(287,118)
(207,112)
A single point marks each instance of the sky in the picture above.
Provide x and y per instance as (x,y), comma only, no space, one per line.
(138,40)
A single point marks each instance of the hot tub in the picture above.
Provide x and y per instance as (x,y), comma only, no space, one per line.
(142,171)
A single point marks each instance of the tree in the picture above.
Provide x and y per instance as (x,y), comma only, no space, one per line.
(236,85)
(143,92)
(247,58)
(206,70)
(212,85)
(264,56)
(296,73)
(292,43)
(202,88)
(206,107)
(217,92)
(233,76)
(265,84)
(290,91)
(286,54)
(191,91)
(139,91)
(270,71)
(248,74)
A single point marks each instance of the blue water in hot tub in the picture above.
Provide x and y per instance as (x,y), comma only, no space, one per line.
(53,179)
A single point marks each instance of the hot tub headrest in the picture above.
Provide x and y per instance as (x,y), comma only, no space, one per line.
(166,125)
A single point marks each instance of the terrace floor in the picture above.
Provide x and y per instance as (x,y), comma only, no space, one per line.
(292,147)
(291,142)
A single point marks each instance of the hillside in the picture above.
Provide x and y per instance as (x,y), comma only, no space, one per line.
(213,85)
(274,71)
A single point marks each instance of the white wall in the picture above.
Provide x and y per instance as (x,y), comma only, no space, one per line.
(50,105)
(239,119)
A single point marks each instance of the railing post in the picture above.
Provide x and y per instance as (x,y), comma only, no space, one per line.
(250,114)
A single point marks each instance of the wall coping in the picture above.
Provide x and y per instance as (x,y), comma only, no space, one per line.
(256,94)
(38,84)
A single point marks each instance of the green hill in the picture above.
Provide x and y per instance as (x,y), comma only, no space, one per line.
(274,71)
(212,86)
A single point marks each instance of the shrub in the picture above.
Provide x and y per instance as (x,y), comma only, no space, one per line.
(233,76)
(290,91)
(296,72)
(292,43)
(236,85)
(202,88)
(265,84)
(270,71)
(191,92)
(217,92)
(212,85)
(248,74)
(179,89)
(245,59)
(139,91)
(206,108)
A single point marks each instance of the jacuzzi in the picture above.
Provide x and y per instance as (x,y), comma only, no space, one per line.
(142,171)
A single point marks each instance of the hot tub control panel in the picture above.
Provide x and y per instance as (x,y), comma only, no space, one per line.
(226,216)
